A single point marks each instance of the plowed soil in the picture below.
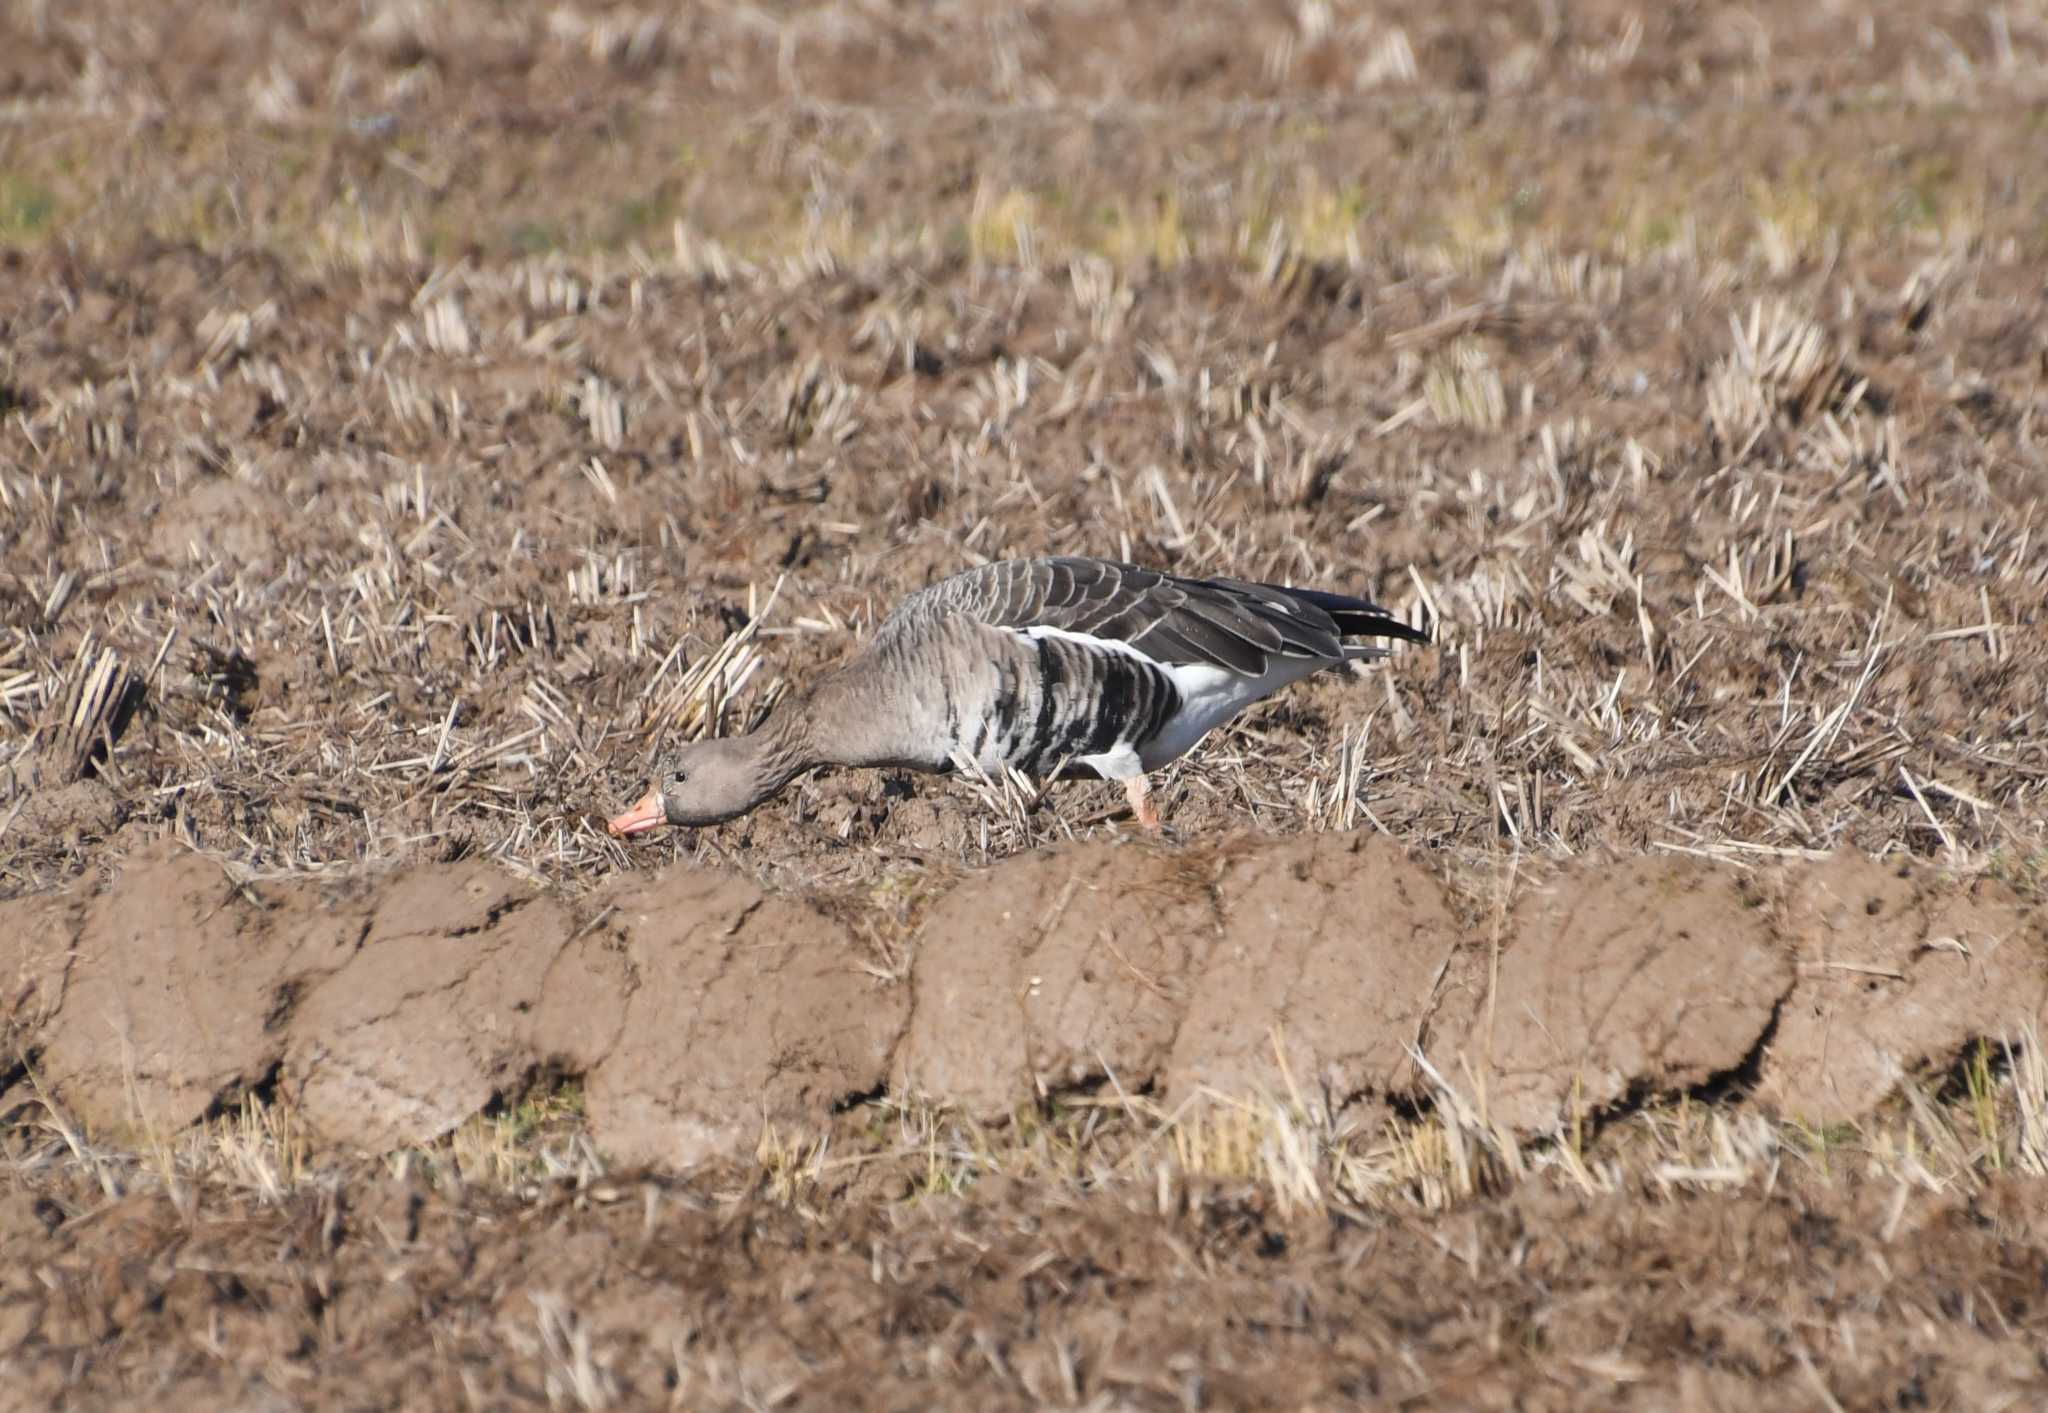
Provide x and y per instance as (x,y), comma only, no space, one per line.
(412,417)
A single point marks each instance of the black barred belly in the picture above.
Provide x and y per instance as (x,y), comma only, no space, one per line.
(1059,700)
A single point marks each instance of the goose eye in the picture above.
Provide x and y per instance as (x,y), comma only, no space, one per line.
(676,776)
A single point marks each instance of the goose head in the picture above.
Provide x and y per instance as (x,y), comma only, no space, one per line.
(704,782)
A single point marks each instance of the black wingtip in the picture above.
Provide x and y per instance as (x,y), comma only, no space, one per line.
(1360,618)
(1382,625)
(1388,626)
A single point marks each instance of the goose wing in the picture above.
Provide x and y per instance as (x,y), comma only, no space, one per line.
(1231,624)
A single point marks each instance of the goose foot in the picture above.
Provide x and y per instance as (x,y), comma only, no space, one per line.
(1139,792)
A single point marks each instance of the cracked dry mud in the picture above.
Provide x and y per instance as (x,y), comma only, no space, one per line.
(693,1006)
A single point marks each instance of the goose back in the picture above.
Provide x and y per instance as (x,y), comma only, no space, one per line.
(1232,624)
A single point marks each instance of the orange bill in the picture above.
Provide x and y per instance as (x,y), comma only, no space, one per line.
(642,817)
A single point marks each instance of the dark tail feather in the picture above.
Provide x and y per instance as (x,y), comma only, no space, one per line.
(1356,617)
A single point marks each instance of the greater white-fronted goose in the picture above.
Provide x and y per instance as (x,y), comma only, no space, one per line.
(1048,665)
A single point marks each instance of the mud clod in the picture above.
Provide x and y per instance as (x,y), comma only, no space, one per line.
(1898,970)
(1649,976)
(696,1005)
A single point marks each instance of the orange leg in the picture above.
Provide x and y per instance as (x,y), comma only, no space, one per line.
(1139,792)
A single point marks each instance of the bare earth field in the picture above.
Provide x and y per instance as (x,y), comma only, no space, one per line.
(411,416)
